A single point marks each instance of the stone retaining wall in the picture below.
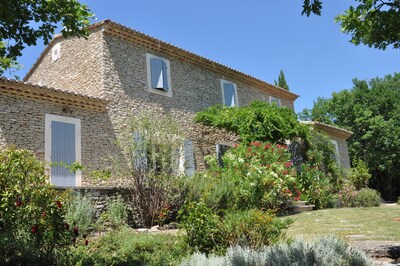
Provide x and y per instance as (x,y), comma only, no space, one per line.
(101,195)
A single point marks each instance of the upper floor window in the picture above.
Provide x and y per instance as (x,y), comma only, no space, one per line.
(277,101)
(158,75)
(229,93)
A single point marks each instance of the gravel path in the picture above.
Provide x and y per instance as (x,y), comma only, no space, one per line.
(383,252)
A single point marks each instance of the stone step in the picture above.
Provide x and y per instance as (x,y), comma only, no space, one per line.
(301,203)
(303,208)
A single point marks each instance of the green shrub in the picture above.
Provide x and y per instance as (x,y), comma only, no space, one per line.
(127,247)
(116,211)
(328,251)
(32,223)
(206,232)
(261,176)
(80,212)
(359,175)
(202,226)
(115,215)
(367,197)
(216,190)
(347,195)
(257,121)
(316,186)
(253,228)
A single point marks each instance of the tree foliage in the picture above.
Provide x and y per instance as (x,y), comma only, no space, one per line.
(23,22)
(372,111)
(281,81)
(375,23)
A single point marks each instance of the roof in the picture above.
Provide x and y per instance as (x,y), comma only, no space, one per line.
(332,130)
(58,96)
(134,36)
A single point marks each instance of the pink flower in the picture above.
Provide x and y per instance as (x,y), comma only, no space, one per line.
(59,205)
(18,203)
(288,164)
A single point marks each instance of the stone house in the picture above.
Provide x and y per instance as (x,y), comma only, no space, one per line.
(339,137)
(75,102)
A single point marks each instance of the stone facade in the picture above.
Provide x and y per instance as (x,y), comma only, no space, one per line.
(22,124)
(111,64)
(337,135)
(79,68)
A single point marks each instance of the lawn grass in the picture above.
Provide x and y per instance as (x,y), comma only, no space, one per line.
(376,223)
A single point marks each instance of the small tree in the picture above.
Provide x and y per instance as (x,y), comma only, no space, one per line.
(32,223)
(155,156)
(281,81)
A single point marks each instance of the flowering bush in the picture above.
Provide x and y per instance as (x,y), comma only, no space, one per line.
(263,175)
(316,186)
(31,212)
(347,195)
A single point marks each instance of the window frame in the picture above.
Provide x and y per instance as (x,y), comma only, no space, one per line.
(223,93)
(167,93)
(47,145)
(273,99)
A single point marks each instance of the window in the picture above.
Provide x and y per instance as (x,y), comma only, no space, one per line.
(55,52)
(336,150)
(273,100)
(229,93)
(158,75)
(158,158)
(63,146)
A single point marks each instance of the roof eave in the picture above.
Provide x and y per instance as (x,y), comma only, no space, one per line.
(135,36)
(31,91)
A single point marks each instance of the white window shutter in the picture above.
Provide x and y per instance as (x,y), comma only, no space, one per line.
(164,75)
(189,159)
(139,152)
(229,94)
(157,79)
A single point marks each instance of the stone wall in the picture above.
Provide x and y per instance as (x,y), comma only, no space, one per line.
(79,68)
(22,123)
(101,195)
(115,69)
(343,151)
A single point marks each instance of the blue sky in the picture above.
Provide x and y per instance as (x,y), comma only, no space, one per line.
(258,37)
